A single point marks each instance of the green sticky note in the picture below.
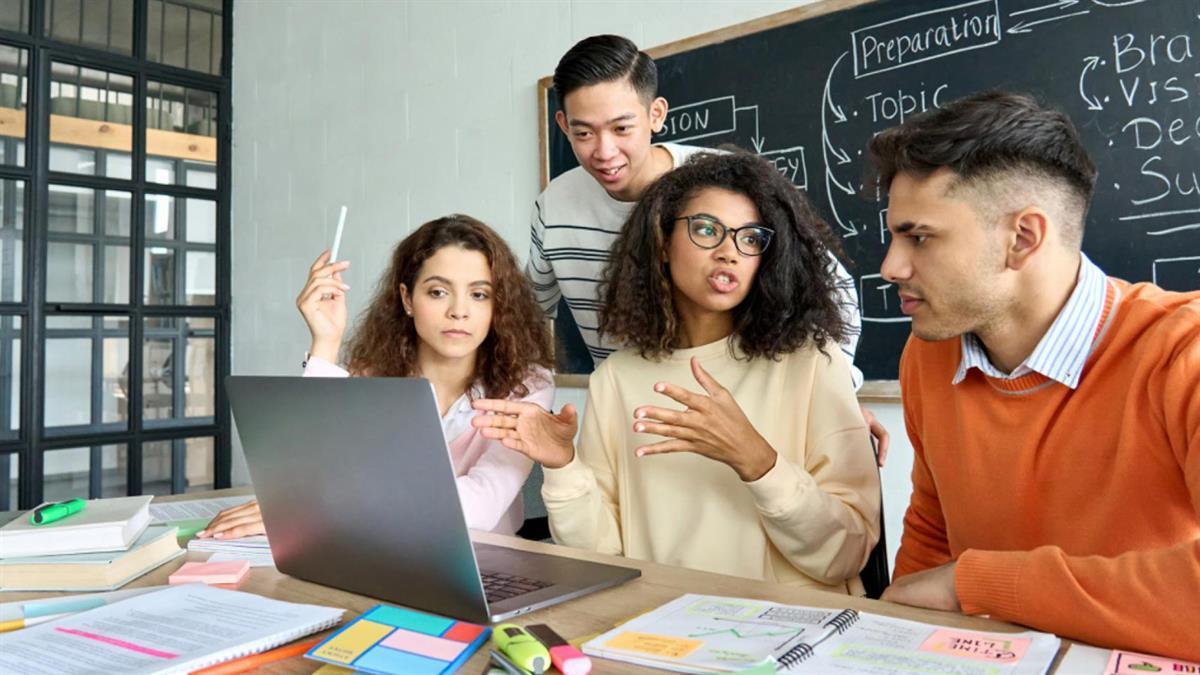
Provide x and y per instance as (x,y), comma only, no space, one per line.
(188,528)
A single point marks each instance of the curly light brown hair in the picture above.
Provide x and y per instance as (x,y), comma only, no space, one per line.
(792,300)
(385,343)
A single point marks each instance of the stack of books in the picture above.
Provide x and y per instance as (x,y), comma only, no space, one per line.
(103,547)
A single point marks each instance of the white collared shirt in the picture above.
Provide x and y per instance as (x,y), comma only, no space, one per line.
(1063,350)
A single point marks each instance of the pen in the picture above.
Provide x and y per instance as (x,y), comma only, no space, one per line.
(18,624)
(247,663)
(508,666)
(48,513)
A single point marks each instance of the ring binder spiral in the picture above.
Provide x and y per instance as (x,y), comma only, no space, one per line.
(801,652)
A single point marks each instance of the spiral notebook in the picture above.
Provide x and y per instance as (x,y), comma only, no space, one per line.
(713,634)
(176,630)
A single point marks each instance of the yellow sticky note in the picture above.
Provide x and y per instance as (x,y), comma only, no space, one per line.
(357,638)
(655,645)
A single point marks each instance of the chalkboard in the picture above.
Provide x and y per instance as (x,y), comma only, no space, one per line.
(807,88)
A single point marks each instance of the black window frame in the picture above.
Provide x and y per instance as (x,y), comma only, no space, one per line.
(32,440)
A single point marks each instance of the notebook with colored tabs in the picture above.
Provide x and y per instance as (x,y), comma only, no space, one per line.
(713,634)
(388,640)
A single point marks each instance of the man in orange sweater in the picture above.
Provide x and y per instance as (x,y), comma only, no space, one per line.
(1054,411)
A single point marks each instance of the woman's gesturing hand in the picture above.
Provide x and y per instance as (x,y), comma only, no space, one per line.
(322,303)
(546,438)
(714,426)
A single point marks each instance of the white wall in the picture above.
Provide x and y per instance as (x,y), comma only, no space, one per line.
(406,111)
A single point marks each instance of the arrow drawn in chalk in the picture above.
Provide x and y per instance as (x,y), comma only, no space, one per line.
(1061,4)
(849,229)
(1027,26)
(838,115)
(1090,64)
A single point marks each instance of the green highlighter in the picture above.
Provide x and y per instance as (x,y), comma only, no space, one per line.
(52,512)
(521,648)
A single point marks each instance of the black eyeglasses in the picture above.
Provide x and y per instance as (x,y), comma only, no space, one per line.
(707,232)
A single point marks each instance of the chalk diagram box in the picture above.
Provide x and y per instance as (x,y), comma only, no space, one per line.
(879,300)
(1177,274)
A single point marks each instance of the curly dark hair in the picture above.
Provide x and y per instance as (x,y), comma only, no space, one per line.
(792,299)
(385,343)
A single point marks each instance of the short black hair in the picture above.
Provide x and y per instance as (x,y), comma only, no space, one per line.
(793,297)
(605,58)
(988,137)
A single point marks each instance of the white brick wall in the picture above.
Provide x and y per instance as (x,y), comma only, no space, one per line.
(406,111)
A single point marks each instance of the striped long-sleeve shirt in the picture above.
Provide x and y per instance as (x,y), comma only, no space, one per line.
(575,222)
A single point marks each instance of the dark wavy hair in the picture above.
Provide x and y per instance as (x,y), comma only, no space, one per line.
(605,58)
(985,137)
(385,343)
(792,298)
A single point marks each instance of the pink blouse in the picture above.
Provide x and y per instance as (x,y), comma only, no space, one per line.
(489,476)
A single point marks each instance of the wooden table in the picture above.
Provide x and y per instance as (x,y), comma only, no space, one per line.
(585,616)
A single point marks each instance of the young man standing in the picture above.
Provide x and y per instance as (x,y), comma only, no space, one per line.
(609,109)
(1054,411)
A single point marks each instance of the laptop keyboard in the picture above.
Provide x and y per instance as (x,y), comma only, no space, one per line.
(497,586)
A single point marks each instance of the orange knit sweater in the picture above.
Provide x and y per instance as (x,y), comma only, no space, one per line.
(1075,512)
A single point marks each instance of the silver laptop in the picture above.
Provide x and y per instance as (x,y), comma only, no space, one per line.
(357,491)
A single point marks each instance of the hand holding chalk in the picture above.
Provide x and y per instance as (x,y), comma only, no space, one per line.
(322,301)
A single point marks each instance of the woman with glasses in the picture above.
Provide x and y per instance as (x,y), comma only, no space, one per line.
(725,436)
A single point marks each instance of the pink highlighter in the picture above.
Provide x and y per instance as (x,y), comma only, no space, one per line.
(568,659)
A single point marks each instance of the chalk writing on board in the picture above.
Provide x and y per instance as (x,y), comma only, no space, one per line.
(880,300)
(1138,88)
(720,116)
(925,36)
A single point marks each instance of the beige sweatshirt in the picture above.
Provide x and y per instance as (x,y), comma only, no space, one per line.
(810,520)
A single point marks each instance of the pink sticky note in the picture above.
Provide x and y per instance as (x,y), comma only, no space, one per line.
(990,647)
(424,645)
(228,572)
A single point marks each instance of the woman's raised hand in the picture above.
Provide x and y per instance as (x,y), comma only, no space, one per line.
(322,303)
(546,438)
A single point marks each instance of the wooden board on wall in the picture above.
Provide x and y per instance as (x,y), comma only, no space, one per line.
(113,136)
(808,87)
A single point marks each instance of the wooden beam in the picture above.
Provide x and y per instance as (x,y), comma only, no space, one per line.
(112,136)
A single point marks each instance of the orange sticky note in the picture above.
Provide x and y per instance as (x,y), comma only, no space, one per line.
(228,572)
(663,646)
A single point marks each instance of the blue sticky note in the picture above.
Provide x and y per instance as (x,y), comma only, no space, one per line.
(406,618)
(383,660)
